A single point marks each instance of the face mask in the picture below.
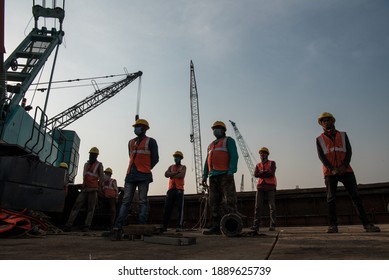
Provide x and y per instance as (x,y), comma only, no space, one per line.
(92,158)
(177,160)
(218,132)
(138,130)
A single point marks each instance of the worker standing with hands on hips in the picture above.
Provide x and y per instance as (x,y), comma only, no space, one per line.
(143,152)
(266,187)
(92,181)
(110,192)
(334,151)
(175,194)
(220,166)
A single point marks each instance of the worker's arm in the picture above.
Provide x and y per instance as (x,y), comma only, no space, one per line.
(322,156)
(347,158)
(154,152)
(205,171)
(233,151)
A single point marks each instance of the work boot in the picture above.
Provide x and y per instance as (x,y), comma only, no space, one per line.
(332,229)
(272,228)
(179,229)
(212,231)
(85,229)
(67,229)
(117,234)
(254,227)
(372,228)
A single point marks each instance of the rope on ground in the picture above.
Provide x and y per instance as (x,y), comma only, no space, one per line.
(24,223)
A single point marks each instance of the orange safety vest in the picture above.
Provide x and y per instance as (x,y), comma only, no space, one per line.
(140,155)
(218,156)
(91,174)
(109,189)
(177,183)
(270,181)
(335,151)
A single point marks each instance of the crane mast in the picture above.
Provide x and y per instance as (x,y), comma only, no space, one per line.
(195,136)
(245,152)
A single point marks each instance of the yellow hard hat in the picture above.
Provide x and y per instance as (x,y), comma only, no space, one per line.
(108,170)
(178,153)
(325,115)
(264,149)
(63,165)
(219,123)
(141,122)
(94,150)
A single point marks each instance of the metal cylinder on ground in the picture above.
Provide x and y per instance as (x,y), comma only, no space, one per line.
(231,225)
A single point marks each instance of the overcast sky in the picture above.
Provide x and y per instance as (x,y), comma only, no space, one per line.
(270,66)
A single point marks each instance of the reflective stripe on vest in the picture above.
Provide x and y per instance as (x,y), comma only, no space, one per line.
(335,151)
(177,183)
(108,188)
(91,176)
(140,155)
(218,156)
(271,181)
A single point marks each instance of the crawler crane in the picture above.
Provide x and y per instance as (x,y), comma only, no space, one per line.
(33,146)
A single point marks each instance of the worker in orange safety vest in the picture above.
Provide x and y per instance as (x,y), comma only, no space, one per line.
(266,187)
(93,177)
(220,166)
(175,194)
(334,151)
(110,192)
(143,152)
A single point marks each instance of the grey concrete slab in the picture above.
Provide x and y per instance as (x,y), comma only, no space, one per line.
(300,243)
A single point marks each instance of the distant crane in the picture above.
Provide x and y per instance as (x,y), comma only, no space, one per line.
(245,152)
(195,136)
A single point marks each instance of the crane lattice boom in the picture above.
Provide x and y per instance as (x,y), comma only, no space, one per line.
(244,150)
(195,136)
(78,110)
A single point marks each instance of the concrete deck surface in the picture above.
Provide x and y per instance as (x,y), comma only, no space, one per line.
(288,243)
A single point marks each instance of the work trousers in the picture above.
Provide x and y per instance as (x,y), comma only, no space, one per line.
(259,206)
(174,197)
(129,191)
(222,197)
(83,196)
(111,203)
(350,183)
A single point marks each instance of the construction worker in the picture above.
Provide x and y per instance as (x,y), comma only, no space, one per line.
(110,192)
(220,166)
(334,151)
(93,177)
(175,193)
(266,187)
(65,166)
(143,153)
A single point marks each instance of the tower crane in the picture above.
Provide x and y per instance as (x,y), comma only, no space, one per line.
(32,146)
(245,152)
(195,136)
